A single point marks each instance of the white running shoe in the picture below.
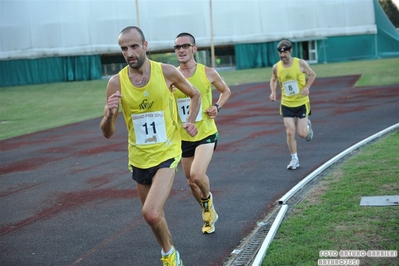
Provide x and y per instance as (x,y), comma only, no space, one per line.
(294,164)
(310,134)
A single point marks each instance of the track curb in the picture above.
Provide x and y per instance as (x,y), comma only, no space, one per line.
(278,214)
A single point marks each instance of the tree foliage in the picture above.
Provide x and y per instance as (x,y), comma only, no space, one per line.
(391,10)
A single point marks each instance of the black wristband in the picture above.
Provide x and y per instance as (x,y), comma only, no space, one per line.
(217,106)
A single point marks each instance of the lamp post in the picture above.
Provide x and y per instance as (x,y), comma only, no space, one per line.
(138,13)
(212,45)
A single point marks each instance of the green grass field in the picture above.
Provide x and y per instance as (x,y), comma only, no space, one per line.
(330,218)
(27,109)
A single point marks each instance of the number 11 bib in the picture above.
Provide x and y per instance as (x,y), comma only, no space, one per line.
(149,128)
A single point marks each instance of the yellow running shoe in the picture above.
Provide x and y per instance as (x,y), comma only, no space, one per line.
(209,215)
(172,259)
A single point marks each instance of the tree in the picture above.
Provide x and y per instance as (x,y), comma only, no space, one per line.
(391,10)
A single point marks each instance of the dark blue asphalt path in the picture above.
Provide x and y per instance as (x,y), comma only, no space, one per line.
(67,198)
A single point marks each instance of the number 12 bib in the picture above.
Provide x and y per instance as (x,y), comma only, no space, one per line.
(183,105)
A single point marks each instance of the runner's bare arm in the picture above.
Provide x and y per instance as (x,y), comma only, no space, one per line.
(173,77)
(111,108)
(305,68)
(273,84)
(225,92)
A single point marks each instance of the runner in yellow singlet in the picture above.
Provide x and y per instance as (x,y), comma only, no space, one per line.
(198,150)
(291,73)
(144,89)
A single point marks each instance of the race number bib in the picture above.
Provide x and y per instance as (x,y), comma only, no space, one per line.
(290,88)
(183,106)
(149,128)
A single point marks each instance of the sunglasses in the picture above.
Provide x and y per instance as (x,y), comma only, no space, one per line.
(283,49)
(184,46)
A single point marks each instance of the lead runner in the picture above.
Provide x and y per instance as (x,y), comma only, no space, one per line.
(145,91)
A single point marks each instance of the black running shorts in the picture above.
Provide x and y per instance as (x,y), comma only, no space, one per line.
(188,147)
(299,111)
(145,176)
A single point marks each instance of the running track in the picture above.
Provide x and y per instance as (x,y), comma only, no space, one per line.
(67,198)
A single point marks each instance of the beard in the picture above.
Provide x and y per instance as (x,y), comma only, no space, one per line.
(139,62)
(284,59)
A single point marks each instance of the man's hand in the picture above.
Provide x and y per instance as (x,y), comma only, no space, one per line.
(191,129)
(212,112)
(272,97)
(113,102)
(305,91)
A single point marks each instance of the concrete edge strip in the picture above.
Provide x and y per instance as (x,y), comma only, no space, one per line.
(270,235)
(273,230)
(312,175)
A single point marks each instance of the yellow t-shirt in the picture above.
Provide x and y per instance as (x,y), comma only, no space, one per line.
(151,119)
(206,126)
(292,81)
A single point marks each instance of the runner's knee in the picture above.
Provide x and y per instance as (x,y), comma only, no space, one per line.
(151,216)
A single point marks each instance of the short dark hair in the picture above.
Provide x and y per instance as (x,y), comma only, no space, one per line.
(186,34)
(128,28)
(284,45)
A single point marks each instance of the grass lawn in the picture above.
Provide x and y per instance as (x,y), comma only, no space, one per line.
(27,109)
(330,218)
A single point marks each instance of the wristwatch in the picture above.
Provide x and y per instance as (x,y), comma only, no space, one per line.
(217,106)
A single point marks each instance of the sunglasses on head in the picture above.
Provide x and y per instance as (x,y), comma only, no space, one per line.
(184,46)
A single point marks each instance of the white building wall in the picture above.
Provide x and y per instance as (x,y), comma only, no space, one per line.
(47,28)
